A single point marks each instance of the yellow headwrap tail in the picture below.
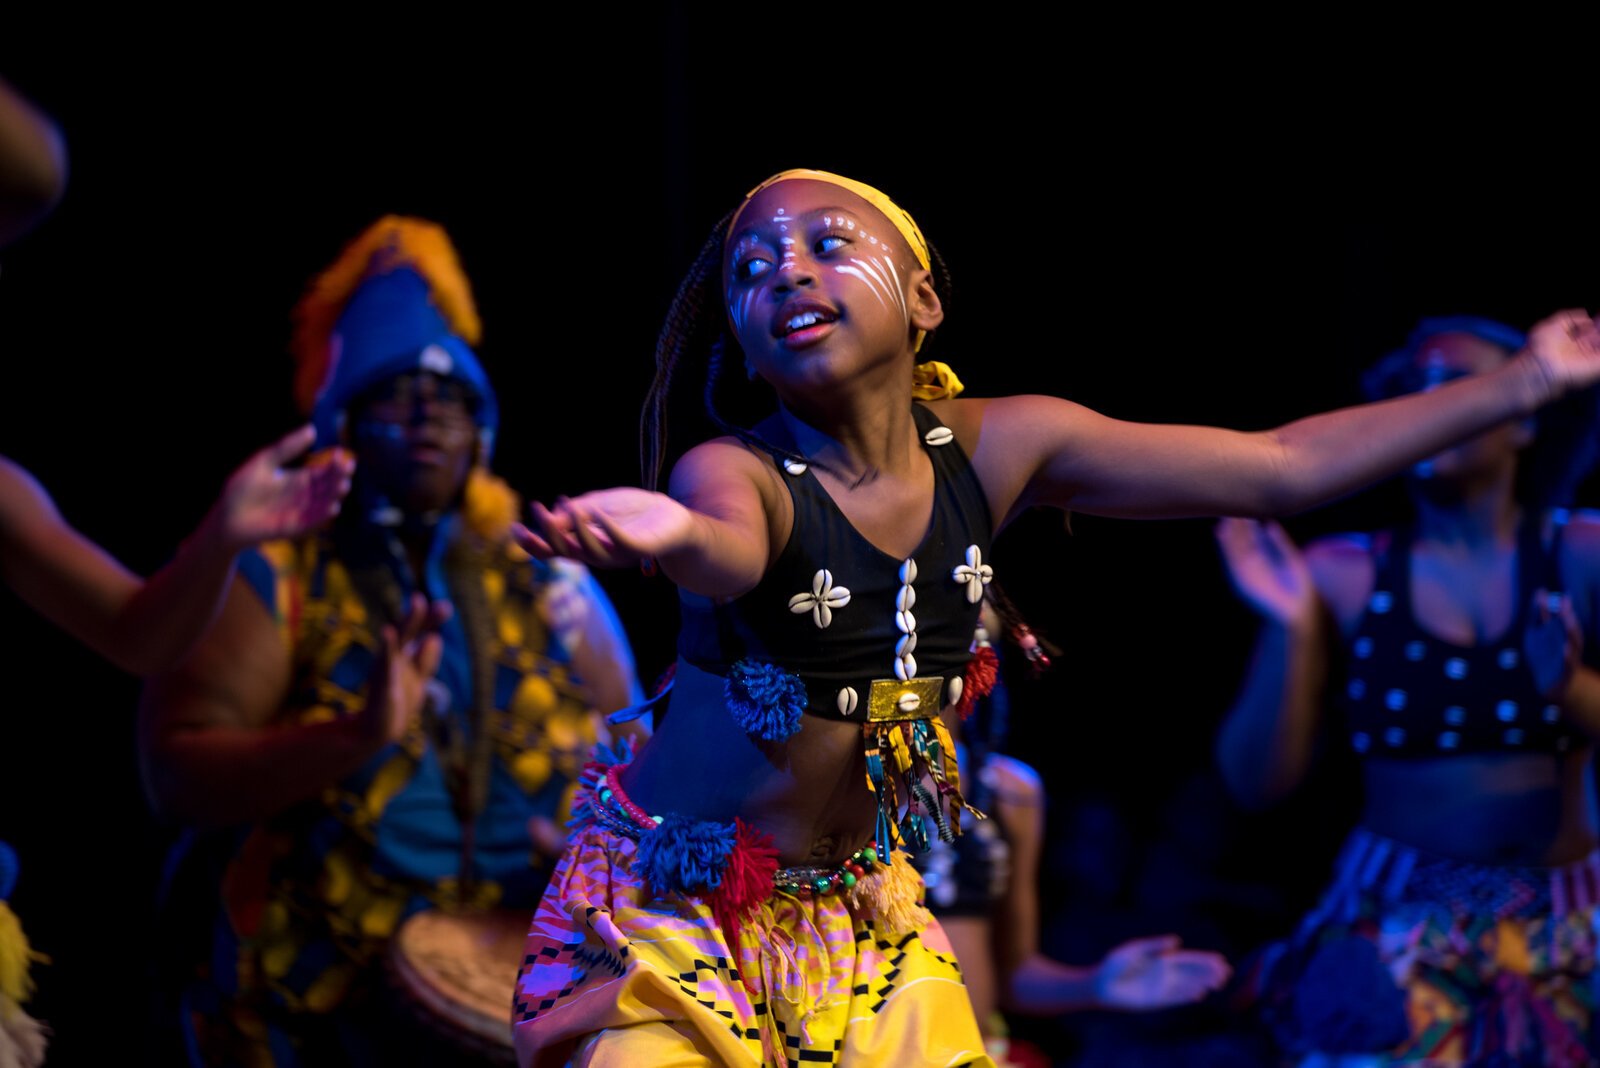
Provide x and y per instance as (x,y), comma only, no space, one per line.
(935,381)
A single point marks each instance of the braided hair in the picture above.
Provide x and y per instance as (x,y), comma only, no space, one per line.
(696,331)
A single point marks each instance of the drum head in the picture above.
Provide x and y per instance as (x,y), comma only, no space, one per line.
(460,970)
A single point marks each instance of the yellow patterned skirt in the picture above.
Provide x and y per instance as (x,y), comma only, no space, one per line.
(615,974)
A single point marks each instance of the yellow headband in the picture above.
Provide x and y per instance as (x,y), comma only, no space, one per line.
(897,216)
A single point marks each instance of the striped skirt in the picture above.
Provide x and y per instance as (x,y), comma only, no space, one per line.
(616,974)
(1411,958)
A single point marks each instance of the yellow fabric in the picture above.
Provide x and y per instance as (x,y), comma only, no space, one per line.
(621,975)
(659,1044)
(935,380)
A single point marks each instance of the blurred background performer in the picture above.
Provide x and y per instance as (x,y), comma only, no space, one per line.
(395,709)
(139,625)
(1457,647)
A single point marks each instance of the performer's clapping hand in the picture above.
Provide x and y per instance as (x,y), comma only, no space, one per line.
(398,682)
(1552,642)
(264,499)
(608,528)
(1267,569)
(1156,973)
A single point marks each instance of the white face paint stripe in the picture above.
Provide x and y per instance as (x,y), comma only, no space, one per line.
(880,274)
(741,309)
(739,303)
(875,273)
(872,286)
(899,287)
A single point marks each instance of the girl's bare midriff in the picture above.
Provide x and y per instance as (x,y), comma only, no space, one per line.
(1503,808)
(809,792)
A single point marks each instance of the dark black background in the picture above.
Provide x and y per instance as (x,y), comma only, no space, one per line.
(1182,227)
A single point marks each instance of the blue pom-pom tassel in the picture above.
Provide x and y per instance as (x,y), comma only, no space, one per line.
(684,854)
(765,700)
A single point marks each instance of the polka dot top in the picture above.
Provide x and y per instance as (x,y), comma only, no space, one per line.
(1409,693)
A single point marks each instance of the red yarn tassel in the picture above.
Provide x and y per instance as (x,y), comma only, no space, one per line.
(666,679)
(746,880)
(982,670)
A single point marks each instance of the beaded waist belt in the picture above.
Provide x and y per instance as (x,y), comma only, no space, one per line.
(614,810)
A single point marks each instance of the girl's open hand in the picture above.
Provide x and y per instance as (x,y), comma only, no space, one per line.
(608,528)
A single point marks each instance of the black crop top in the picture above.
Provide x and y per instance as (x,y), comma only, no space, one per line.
(840,613)
(1409,693)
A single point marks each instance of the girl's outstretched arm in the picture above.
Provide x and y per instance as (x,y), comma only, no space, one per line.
(713,535)
(1046,451)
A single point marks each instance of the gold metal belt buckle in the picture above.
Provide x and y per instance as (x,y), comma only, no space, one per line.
(893,701)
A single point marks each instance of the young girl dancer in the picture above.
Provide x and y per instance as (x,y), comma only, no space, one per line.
(737,894)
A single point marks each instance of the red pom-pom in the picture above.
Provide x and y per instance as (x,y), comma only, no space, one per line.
(746,880)
(982,670)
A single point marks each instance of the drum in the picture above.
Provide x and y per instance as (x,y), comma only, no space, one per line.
(456,973)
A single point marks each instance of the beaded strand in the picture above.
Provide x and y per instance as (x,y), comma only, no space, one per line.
(803,881)
(613,794)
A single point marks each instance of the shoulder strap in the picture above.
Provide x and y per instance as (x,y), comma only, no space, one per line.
(953,466)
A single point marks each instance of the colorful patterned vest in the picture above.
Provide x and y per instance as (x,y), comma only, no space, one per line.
(313,894)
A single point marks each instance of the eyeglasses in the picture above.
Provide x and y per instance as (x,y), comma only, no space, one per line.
(402,398)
